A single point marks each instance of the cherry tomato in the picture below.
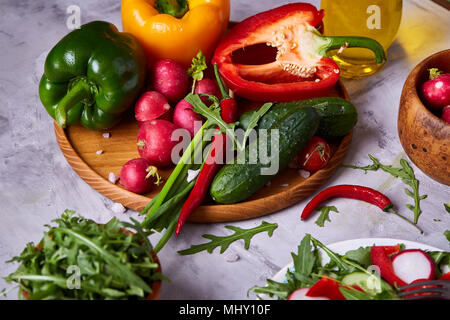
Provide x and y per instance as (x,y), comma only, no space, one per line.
(315,155)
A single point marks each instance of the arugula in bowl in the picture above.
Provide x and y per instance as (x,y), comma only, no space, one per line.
(81,259)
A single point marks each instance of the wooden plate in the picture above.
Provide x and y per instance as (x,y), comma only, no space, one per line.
(80,145)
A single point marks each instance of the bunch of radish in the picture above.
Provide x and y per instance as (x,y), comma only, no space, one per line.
(436,93)
(158,122)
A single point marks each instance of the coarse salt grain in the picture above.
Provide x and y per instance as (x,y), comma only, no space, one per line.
(284,185)
(113,178)
(304,174)
(118,208)
(192,174)
(232,257)
(106,135)
(99,152)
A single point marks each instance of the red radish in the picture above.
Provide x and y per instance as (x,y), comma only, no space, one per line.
(139,176)
(152,105)
(155,142)
(185,117)
(436,91)
(446,114)
(413,264)
(170,79)
(208,86)
(300,294)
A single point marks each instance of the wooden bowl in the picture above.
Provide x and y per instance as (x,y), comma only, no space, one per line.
(424,136)
(156,286)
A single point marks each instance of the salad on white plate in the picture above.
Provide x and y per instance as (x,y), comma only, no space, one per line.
(360,269)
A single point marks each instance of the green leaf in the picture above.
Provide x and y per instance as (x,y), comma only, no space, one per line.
(212,114)
(253,122)
(273,288)
(447,207)
(197,67)
(353,294)
(447,234)
(325,214)
(304,260)
(225,241)
(406,174)
(111,263)
(361,256)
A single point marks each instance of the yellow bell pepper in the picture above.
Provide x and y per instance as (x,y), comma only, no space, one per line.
(176,29)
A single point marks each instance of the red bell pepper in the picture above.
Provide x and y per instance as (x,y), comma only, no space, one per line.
(292,53)
(381,258)
(445,276)
(326,287)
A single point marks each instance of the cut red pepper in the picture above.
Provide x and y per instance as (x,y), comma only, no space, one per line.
(289,60)
(326,287)
(353,192)
(445,276)
(381,258)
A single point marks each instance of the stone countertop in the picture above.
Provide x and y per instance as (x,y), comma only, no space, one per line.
(37,184)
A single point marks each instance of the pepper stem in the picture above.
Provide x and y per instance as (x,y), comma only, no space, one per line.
(356,42)
(176,8)
(391,210)
(79,92)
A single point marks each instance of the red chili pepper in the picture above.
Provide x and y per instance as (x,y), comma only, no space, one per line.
(228,112)
(353,192)
(381,258)
(279,55)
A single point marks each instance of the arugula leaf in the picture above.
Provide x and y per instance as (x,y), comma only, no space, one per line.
(447,207)
(253,122)
(325,214)
(111,261)
(353,294)
(406,174)
(197,67)
(360,255)
(273,288)
(213,115)
(224,242)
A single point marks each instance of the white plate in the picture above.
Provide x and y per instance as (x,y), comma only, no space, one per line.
(343,246)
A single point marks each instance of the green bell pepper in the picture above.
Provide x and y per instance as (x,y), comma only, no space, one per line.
(92,76)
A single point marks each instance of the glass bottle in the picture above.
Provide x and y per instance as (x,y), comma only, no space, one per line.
(376,19)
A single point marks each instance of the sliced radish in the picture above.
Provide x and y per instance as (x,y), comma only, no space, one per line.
(412,265)
(300,294)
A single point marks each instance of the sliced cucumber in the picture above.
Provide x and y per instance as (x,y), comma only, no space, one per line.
(370,283)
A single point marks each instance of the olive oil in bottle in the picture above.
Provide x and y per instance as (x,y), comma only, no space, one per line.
(376,19)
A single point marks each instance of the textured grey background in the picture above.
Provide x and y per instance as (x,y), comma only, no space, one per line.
(36,183)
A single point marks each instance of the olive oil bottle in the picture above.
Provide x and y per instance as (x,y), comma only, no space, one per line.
(376,19)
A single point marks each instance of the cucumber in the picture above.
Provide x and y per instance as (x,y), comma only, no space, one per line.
(337,116)
(236,182)
(366,282)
